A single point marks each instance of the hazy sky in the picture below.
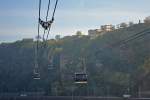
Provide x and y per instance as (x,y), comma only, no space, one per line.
(18,18)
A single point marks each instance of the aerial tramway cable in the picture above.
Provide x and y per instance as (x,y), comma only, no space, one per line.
(133,37)
(36,69)
(47,24)
(53,15)
(125,41)
(46,17)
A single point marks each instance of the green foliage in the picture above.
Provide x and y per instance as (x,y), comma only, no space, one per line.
(78,33)
(109,68)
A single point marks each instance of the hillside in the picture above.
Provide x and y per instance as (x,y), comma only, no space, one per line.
(112,65)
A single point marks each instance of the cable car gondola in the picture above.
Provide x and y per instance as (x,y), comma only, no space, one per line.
(80,78)
(36,76)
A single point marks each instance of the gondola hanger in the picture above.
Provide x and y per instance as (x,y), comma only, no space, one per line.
(46,25)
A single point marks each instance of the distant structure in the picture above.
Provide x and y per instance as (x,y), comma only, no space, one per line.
(93,33)
(107,28)
(147,19)
(27,40)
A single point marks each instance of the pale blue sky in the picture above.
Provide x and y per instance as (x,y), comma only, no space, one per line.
(18,18)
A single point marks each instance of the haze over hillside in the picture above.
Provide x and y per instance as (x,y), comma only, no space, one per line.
(112,61)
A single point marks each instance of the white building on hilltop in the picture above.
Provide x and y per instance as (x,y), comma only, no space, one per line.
(93,33)
(107,28)
(147,19)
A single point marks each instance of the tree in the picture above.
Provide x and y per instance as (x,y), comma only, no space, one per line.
(123,25)
(78,33)
(131,23)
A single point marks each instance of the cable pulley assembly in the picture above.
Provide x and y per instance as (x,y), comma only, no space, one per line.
(46,24)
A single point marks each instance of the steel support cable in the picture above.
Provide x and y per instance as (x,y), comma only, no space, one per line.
(125,41)
(129,40)
(84,65)
(44,42)
(37,42)
(130,37)
(143,32)
(53,15)
(39,24)
(137,37)
(49,29)
(46,18)
(55,9)
(48,9)
(123,44)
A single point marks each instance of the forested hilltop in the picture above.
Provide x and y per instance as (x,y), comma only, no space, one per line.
(115,64)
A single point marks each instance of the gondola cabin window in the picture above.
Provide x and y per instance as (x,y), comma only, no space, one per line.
(36,76)
(80,78)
